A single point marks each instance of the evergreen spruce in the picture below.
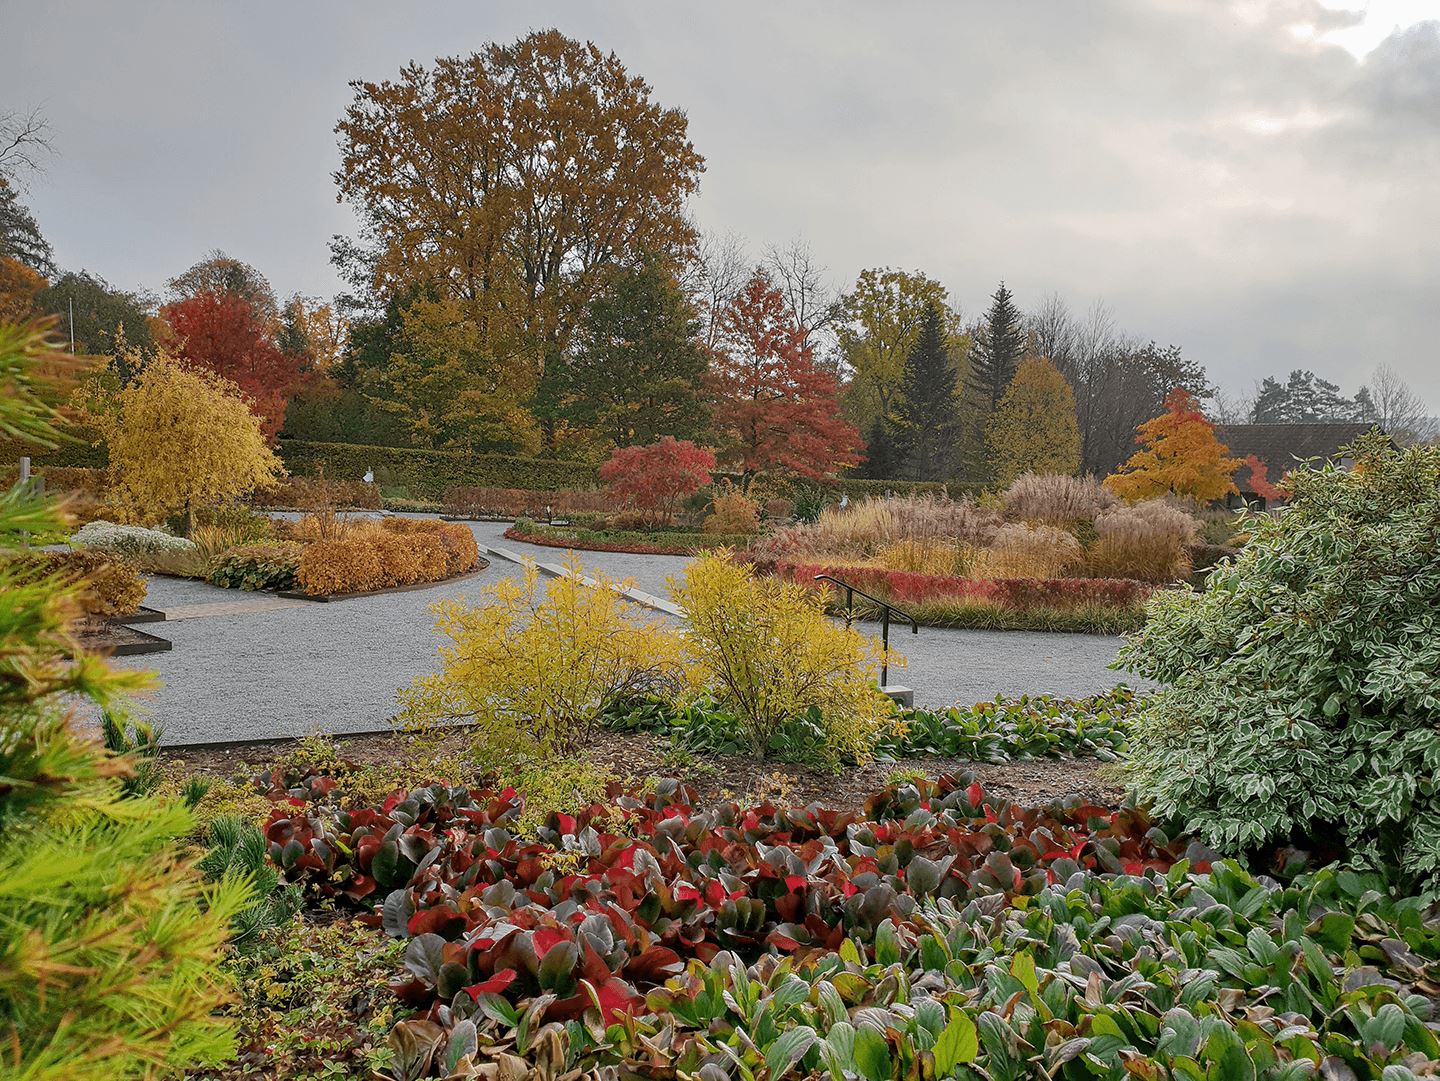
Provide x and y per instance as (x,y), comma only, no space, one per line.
(999,345)
(881,461)
(923,428)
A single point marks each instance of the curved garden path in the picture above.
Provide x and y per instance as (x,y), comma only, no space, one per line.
(246,666)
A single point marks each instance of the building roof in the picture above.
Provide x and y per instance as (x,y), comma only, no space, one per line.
(1279,446)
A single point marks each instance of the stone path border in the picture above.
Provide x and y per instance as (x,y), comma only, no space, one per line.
(555,570)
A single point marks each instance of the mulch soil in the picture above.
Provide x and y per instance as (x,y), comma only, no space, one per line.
(637,756)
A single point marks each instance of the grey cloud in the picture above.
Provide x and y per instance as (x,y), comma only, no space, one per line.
(1223,182)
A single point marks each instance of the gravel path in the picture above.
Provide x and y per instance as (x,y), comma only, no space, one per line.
(241,672)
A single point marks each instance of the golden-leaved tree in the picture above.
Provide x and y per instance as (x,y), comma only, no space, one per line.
(1179,455)
(182,438)
(516,180)
(878,325)
(447,384)
(1033,429)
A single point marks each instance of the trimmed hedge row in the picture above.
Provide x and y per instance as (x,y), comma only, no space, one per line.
(429,473)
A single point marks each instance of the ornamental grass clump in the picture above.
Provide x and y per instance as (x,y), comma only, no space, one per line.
(1148,541)
(765,648)
(1055,499)
(537,665)
(1302,686)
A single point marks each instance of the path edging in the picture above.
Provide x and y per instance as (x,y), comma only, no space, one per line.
(555,570)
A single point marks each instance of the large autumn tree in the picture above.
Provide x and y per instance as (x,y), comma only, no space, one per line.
(1179,455)
(107,321)
(776,412)
(446,386)
(222,332)
(1033,429)
(515,181)
(636,368)
(879,322)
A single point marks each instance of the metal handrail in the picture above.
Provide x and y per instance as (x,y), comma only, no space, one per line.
(885,609)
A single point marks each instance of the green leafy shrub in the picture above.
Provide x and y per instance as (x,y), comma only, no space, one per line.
(258,566)
(1014,729)
(1304,681)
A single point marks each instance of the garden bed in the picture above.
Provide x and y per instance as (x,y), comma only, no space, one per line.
(115,639)
(658,542)
(1074,605)
(635,757)
(481,565)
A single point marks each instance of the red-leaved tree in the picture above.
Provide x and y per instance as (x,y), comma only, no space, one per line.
(221,331)
(775,410)
(655,479)
(1260,482)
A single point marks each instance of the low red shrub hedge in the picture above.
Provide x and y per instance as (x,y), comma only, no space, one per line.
(1021,594)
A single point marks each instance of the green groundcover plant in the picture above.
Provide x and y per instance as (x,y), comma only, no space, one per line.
(1303,697)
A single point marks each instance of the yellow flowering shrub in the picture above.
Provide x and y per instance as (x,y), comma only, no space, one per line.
(765,648)
(539,663)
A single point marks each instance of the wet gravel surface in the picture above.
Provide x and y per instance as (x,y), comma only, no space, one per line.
(294,671)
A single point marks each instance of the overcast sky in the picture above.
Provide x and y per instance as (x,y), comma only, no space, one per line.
(1256,181)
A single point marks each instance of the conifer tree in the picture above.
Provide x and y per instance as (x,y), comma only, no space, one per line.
(925,414)
(110,942)
(999,345)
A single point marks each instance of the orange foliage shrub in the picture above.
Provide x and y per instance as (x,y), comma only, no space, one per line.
(342,565)
(368,555)
(458,543)
(734,512)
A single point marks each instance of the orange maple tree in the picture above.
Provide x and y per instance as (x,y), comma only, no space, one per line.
(775,410)
(1180,455)
(221,332)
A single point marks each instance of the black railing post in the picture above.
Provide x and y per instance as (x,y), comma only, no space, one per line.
(885,645)
(885,610)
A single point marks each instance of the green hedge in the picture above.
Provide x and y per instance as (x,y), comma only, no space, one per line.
(426,474)
(856,487)
(80,452)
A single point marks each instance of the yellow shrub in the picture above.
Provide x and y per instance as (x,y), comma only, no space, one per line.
(346,565)
(541,664)
(733,512)
(1024,551)
(766,648)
